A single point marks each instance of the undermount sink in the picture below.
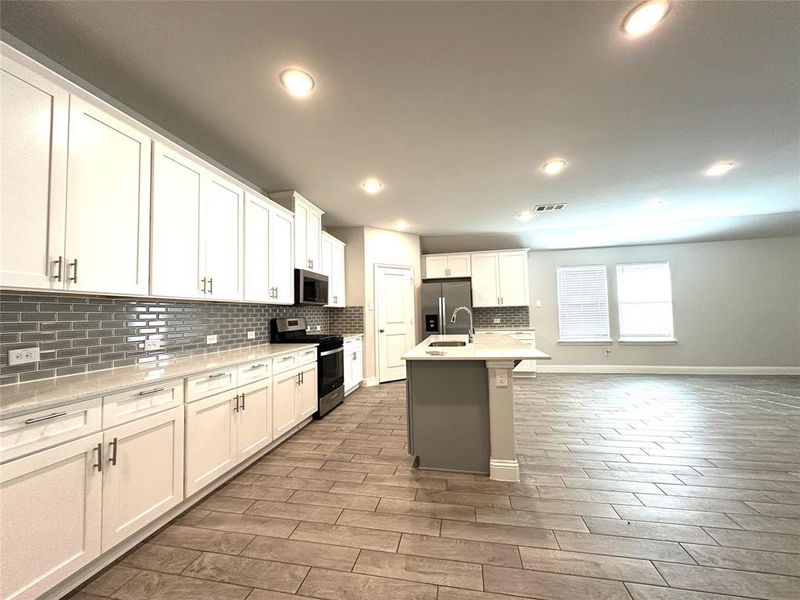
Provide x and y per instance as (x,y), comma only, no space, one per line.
(446,344)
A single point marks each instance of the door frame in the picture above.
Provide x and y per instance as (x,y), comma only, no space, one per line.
(376,342)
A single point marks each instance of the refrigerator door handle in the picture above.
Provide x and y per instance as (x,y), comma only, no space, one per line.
(444,315)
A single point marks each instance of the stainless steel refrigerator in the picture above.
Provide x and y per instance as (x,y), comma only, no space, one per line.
(440,297)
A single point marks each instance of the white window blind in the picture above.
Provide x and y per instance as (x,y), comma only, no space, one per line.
(644,294)
(582,303)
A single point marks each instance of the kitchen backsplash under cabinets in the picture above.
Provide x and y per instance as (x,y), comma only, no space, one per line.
(78,334)
(511,317)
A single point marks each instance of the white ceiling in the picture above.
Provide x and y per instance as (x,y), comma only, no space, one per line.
(455,105)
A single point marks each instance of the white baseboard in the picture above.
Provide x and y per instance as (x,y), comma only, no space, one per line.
(503,470)
(667,370)
(370,382)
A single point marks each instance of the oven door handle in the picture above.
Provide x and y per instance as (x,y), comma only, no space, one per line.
(329,352)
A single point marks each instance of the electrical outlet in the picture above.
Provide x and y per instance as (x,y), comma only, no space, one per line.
(153,345)
(607,351)
(319,327)
(501,379)
(23,356)
(496,321)
(251,335)
(211,339)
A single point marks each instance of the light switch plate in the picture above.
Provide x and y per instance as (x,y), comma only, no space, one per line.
(23,356)
(538,304)
(251,335)
(211,339)
(153,345)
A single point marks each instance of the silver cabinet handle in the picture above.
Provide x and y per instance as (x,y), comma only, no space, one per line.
(204,284)
(74,265)
(285,358)
(148,392)
(99,464)
(45,418)
(210,285)
(215,375)
(60,263)
(258,366)
(113,446)
(236,403)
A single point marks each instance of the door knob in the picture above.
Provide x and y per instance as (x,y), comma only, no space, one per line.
(381,330)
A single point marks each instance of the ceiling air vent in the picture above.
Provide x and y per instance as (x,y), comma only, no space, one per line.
(548,207)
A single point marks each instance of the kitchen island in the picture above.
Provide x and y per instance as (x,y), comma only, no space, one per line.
(460,402)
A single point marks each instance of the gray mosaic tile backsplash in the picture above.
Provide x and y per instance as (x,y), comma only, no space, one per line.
(78,334)
(511,317)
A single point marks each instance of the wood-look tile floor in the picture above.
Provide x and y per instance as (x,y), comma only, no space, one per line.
(643,488)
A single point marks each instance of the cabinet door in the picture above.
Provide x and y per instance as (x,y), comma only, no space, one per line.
(326,268)
(358,366)
(108,203)
(435,266)
(256,250)
(142,474)
(484,280)
(33,155)
(210,440)
(176,228)
(50,504)
(513,275)
(337,275)
(284,392)
(224,203)
(349,357)
(254,418)
(307,399)
(300,234)
(313,240)
(281,271)
(458,265)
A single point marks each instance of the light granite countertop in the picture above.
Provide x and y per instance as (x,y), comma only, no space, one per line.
(20,398)
(487,346)
(350,336)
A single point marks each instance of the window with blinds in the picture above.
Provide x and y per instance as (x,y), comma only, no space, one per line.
(582,304)
(644,295)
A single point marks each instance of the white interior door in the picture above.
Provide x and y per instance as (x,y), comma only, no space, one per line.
(33,155)
(210,440)
(284,393)
(254,418)
(281,271)
(224,203)
(176,227)
(50,504)
(394,304)
(484,280)
(108,203)
(143,473)
(513,276)
(256,250)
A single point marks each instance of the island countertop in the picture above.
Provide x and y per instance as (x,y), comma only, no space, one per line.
(486,346)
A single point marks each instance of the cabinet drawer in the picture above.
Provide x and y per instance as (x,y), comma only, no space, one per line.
(253,371)
(306,356)
(284,363)
(213,382)
(352,345)
(127,406)
(35,431)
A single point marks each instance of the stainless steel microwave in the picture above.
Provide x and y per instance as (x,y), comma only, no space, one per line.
(310,287)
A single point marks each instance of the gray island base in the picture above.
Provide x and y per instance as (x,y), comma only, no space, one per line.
(460,404)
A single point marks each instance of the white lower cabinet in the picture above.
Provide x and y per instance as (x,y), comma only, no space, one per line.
(142,473)
(353,364)
(51,513)
(294,397)
(307,397)
(253,418)
(210,439)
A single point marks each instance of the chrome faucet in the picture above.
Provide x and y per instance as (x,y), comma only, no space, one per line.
(471,330)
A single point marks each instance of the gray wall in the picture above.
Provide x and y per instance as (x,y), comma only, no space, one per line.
(735,303)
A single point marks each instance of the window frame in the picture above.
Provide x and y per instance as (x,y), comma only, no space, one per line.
(600,340)
(644,339)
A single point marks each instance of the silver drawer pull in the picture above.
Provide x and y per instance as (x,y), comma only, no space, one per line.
(148,392)
(215,375)
(45,418)
(258,366)
(286,358)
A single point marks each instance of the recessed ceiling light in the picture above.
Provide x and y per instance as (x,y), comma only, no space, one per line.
(525,216)
(645,17)
(298,83)
(554,166)
(719,168)
(654,203)
(401,225)
(372,185)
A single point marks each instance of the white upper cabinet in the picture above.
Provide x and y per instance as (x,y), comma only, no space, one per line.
(307,230)
(108,203)
(33,154)
(281,271)
(332,265)
(256,249)
(176,228)
(447,265)
(223,227)
(500,278)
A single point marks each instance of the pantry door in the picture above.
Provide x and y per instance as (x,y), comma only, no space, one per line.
(394,320)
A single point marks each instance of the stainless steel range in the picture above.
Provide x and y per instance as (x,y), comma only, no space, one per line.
(330,359)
